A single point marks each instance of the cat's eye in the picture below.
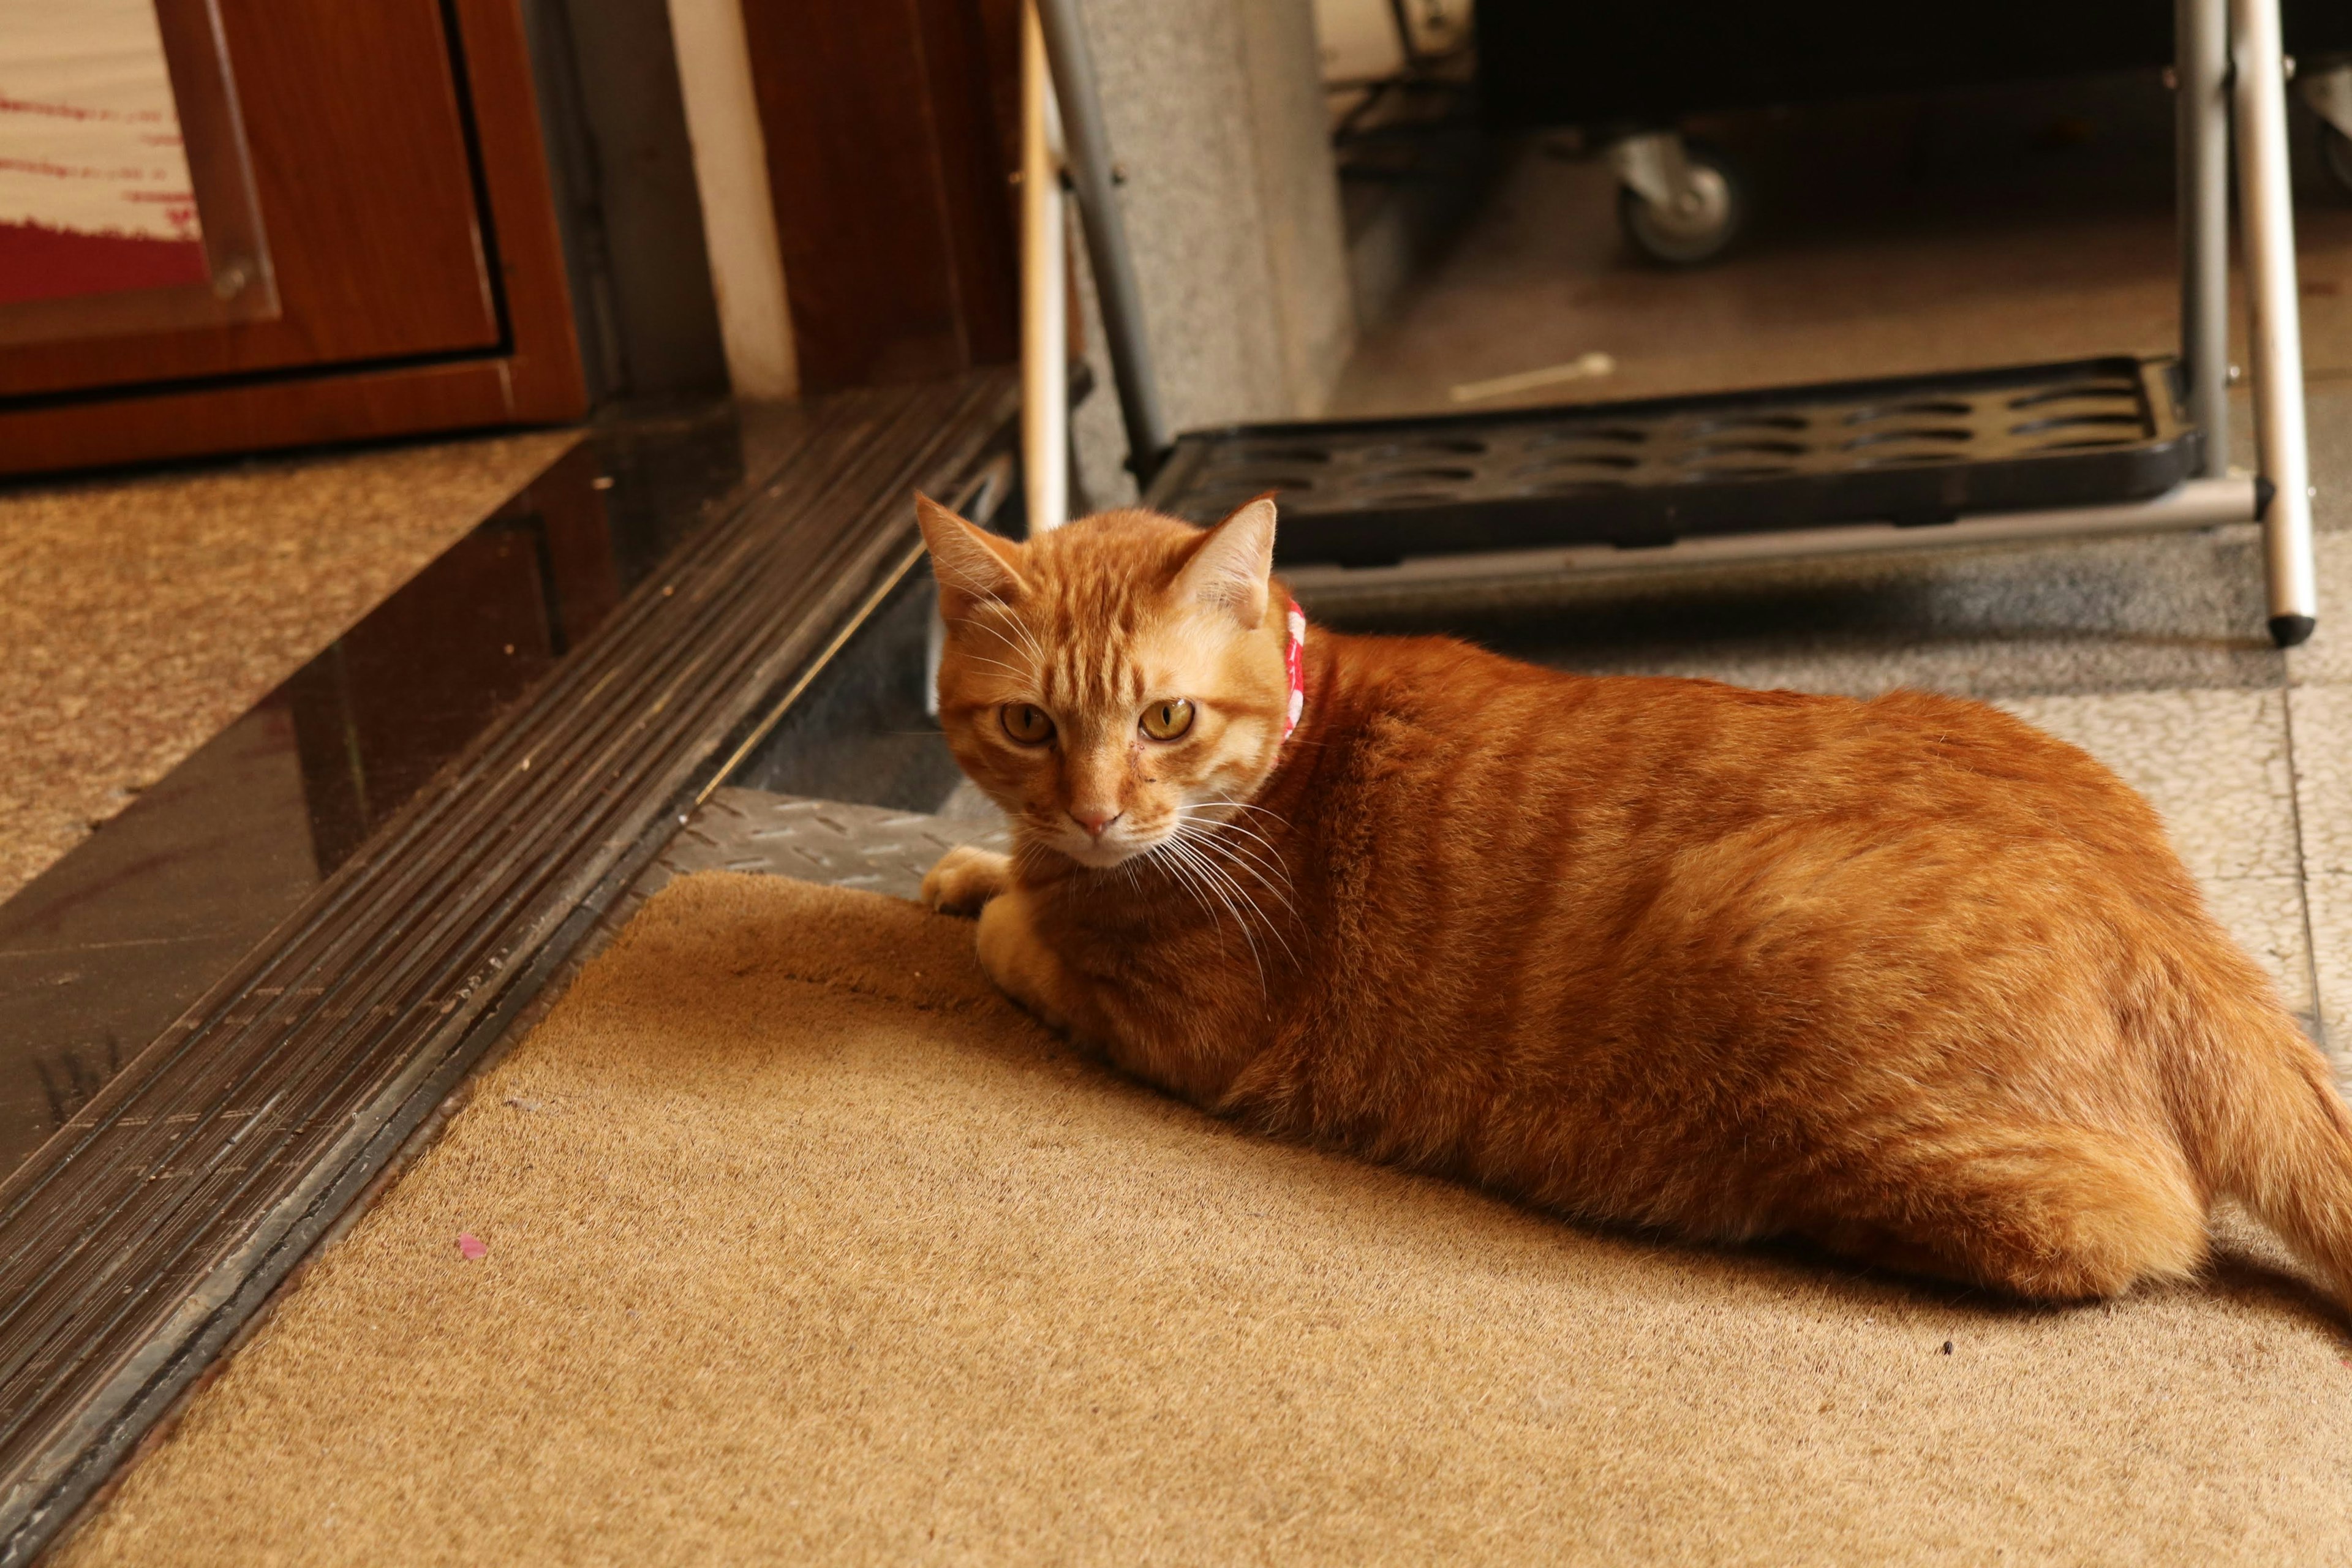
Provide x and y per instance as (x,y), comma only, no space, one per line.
(1166,720)
(1027,723)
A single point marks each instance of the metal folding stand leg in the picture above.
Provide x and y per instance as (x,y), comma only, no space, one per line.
(1044,324)
(2274,328)
(1044,293)
(2085,448)
(2201,112)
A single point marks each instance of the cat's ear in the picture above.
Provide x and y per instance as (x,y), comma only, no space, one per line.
(1231,565)
(973,565)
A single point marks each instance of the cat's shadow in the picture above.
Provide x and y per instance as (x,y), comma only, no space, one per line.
(2235,1271)
(2248,1266)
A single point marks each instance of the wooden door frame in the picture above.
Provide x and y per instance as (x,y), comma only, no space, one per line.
(892,131)
(533,376)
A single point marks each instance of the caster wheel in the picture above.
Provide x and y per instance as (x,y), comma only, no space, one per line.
(1699,227)
(2335,156)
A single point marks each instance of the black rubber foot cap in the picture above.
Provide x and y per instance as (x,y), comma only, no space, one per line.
(2288,630)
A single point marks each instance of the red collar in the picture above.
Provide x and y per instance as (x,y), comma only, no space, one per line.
(1293,659)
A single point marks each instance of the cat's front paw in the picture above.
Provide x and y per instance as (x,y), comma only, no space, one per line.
(966,878)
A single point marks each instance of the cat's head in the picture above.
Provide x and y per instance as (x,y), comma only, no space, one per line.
(1116,679)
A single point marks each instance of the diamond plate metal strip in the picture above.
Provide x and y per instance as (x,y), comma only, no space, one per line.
(829,841)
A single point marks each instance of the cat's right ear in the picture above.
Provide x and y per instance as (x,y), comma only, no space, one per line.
(973,566)
(1231,565)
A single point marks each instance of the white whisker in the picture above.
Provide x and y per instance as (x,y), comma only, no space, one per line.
(1175,869)
(1248,806)
(1198,866)
(1198,845)
(1028,644)
(1233,855)
(1260,857)
(1261,842)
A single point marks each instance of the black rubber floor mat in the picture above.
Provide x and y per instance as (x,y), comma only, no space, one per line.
(1914,450)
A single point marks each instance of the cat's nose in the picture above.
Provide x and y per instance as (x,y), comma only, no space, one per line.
(1094,822)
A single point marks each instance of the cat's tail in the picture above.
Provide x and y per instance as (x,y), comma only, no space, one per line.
(2276,1135)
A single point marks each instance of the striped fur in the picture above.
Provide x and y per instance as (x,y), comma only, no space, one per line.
(1907,977)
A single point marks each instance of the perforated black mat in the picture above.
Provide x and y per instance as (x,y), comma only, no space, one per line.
(1912,451)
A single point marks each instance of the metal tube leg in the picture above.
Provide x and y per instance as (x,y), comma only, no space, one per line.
(1044,294)
(1148,437)
(2201,70)
(935,648)
(2259,62)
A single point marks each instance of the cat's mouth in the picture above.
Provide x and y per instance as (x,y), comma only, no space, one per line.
(1101,854)
(1116,847)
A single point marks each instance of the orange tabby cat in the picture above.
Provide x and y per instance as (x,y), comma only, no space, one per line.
(1907,977)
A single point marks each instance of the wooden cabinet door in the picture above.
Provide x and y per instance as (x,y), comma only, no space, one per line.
(362,174)
(402,192)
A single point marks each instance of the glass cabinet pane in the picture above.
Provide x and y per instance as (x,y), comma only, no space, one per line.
(126,199)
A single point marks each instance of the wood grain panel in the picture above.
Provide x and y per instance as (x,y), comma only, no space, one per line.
(309,411)
(971,58)
(366,198)
(543,357)
(884,158)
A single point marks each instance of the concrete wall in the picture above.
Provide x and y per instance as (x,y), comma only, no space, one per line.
(1215,109)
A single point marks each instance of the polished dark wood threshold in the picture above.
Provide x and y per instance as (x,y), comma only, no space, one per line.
(153,1223)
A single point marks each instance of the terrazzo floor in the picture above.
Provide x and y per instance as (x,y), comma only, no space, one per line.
(2318,724)
(141,615)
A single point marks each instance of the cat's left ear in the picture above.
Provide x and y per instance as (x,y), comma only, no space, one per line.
(1233,563)
(973,566)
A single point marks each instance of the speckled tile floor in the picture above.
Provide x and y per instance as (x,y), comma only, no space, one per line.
(141,615)
(2319,699)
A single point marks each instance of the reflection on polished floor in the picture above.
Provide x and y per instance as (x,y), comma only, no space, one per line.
(143,614)
(512,551)
(225,1016)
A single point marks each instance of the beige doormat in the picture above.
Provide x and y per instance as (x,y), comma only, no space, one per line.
(802,1246)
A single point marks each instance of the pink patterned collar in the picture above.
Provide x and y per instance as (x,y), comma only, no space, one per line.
(1293,659)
